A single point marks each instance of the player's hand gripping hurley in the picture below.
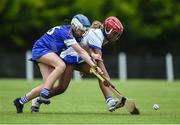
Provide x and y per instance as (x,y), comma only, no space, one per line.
(123,101)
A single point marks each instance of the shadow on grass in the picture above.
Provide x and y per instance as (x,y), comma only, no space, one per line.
(86,113)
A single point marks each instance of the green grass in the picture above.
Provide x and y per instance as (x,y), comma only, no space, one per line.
(83,103)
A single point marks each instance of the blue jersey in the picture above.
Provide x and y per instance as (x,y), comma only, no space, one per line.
(55,40)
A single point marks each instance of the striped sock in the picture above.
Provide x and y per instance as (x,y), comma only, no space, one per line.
(108,98)
(23,100)
(44,92)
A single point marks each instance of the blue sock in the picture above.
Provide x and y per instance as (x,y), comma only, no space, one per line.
(44,92)
(23,100)
(108,98)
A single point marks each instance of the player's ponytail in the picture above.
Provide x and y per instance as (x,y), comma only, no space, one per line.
(96,24)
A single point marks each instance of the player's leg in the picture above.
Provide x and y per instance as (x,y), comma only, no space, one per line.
(63,82)
(110,101)
(53,60)
(50,68)
(45,71)
(19,102)
(60,88)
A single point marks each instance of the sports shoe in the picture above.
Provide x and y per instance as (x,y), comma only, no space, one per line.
(44,100)
(120,103)
(35,105)
(18,105)
(34,109)
(111,105)
(115,104)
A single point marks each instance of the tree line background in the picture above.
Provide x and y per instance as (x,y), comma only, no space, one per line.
(150,26)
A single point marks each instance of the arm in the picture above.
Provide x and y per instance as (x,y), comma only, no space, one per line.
(100,63)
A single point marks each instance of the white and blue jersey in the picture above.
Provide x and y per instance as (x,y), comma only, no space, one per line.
(69,56)
(55,40)
(93,39)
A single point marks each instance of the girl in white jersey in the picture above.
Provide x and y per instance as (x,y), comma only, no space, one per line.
(108,32)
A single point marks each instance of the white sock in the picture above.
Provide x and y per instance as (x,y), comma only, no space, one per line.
(35,103)
(110,101)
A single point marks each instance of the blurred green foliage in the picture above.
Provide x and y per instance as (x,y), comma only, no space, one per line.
(145,21)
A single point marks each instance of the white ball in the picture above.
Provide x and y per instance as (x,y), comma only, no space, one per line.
(155,106)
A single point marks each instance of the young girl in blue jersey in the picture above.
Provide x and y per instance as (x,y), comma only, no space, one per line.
(46,52)
(111,31)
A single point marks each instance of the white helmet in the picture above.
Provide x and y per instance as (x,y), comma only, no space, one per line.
(80,22)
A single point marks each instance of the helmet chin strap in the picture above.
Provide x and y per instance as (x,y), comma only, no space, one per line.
(107,31)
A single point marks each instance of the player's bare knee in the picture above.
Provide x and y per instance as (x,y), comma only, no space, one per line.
(61,66)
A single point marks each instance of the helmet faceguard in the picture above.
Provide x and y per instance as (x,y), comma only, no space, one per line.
(112,29)
(80,22)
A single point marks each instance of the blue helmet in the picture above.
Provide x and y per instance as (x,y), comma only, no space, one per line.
(81,22)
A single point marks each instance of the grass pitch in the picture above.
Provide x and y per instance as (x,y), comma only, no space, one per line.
(83,103)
